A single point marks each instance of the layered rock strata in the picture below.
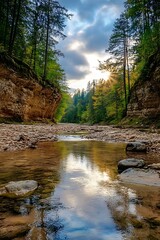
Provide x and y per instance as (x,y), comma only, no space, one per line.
(145,95)
(22,97)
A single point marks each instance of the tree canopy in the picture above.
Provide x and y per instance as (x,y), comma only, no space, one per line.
(30,31)
(135,37)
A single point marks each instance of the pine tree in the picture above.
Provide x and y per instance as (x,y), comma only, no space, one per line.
(119,48)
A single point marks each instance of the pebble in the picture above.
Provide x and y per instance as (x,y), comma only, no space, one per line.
(21,136)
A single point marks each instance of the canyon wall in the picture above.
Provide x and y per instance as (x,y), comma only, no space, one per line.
(145,95)
(22,97)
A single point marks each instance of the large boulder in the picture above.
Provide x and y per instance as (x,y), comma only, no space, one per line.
(136,147)
(148,177)
(18,189)
(130,163)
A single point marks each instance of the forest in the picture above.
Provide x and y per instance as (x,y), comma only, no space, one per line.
(30,31)
(135,38)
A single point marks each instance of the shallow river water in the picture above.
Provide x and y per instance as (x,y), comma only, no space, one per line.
(79,195)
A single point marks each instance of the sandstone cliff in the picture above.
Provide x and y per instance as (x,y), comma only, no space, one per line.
(145,95)
(22,96)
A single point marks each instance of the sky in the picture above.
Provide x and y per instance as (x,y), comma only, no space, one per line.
(88,33)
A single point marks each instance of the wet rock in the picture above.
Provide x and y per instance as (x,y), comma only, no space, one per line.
(136,147)
(141,176)
(33,145)
(130,163)
(14,227)
(153,222)
(154,166)
(45,132)
(136,223)
(158,205)
(18,189)
(5,148)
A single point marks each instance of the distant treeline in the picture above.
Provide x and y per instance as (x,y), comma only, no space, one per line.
(135,38)
(100,103)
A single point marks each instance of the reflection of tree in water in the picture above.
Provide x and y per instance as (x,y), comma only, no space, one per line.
(50,221)
(104,155)
(45,221)
(135,212)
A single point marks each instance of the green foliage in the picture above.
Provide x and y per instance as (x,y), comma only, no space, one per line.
(30,31)
(149,42)
(101,103)
(65,102)
(134,39)
(70,114)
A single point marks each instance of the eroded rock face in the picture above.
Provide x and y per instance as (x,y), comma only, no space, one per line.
(18,189)
(145,95)
(24,99)
(130,163)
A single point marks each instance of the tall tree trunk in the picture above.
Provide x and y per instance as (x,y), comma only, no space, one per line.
(128,72)
(16,23)
(116,100)
(15,19)
(35,37)
(12,27)
(34,55)
(6,24)
(124,75)
(47,43)
(35,47)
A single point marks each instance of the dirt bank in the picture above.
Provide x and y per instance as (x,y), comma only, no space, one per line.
(16,136)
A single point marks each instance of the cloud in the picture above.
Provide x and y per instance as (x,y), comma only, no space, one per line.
(88,32)
(96,35)
(87,8)
(75,65)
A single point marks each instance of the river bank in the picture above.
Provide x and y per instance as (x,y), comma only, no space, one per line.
(19,136)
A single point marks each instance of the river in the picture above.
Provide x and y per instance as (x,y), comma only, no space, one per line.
(79,194)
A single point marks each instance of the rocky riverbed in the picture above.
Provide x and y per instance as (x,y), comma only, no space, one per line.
(20,136)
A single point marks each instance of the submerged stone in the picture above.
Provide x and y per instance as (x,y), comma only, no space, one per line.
(18,189)
(13,227)
(10,232)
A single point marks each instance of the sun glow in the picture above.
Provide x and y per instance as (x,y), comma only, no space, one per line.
(94,73)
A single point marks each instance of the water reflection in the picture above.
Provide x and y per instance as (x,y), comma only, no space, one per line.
(79,196)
